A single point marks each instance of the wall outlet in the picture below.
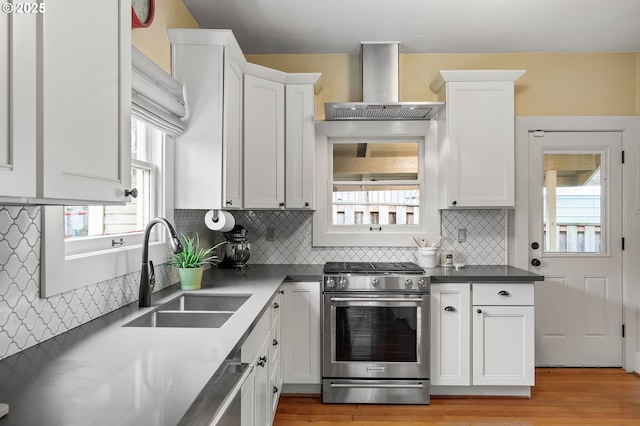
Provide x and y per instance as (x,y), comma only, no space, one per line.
(271,234)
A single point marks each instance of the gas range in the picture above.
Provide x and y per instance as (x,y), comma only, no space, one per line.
(375,322)
(375,276)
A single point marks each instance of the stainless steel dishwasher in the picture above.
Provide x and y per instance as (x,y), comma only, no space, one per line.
(218,404)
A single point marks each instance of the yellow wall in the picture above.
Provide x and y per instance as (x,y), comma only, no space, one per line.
(153,41)
(554,84)
(637,83)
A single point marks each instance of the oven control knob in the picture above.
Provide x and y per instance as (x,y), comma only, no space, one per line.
(342,283)
(330,283)
(422,283)
(375,282)
(408,283)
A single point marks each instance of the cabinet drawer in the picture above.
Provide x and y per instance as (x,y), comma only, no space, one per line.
(502,294)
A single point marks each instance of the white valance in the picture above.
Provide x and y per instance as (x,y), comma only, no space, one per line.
(156,97)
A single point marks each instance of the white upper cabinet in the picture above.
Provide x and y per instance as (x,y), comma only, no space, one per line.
(17,105)
(300,140)
(264,138)
(208,162)
(67,113)
(476,138)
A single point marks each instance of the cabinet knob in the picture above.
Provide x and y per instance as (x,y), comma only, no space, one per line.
(449,308)
(503,293)
(479,311)
(229,202)
(133,192)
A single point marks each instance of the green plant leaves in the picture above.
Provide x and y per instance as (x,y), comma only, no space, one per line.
(194,256)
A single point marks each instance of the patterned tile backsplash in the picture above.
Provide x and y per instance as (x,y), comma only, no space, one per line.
(26,319)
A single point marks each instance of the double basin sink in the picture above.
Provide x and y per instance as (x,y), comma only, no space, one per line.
(191,310)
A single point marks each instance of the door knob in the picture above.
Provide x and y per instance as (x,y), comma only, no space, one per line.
(535,262)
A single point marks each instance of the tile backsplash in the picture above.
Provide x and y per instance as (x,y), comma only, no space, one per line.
(485,244)
(26,319)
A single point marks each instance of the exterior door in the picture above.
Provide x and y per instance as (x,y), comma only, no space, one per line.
(575,231)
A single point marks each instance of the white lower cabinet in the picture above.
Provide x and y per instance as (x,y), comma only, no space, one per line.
(301,336)
(503,334)
(482,338)
(261,349)
(451,334)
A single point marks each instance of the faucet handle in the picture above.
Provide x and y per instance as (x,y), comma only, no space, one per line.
(152,275)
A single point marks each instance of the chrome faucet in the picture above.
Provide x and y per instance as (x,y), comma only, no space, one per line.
(148,274)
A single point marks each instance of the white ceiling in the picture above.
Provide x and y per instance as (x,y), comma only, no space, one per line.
(425,26)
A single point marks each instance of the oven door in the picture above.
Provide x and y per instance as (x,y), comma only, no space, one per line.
(375,336)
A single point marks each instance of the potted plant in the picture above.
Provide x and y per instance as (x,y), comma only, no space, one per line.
(191,260)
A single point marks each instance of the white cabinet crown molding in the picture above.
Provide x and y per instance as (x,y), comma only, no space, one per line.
(209,37)
(445,76)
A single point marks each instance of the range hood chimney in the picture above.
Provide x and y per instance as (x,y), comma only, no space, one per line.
(380,69)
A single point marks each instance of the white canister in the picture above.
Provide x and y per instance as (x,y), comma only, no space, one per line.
(427,257)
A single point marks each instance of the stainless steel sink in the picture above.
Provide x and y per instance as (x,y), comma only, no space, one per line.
(181,319)
(192,311)
(205,302)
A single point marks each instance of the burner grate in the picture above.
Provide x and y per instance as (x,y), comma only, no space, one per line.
(372,268)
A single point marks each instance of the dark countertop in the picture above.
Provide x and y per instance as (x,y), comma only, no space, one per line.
(101,373)
(482,273)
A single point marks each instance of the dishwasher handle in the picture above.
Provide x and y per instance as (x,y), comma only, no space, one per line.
(228,400)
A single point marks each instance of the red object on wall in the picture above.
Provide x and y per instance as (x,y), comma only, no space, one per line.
(135,21)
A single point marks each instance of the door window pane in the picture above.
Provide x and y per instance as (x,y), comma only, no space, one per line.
(573,196)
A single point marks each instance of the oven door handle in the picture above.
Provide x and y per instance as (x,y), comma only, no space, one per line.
(377,299)
(378,385)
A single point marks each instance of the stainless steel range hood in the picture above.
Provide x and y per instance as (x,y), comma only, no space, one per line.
(380,71)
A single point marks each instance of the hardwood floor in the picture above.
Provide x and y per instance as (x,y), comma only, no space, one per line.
(562,396)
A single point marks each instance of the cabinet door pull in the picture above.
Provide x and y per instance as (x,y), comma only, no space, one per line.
(262,361)
(449,308)
(503,293)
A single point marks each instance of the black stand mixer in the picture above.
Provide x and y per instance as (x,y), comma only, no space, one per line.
(237,250)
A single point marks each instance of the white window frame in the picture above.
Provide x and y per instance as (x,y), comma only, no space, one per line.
(328,132)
